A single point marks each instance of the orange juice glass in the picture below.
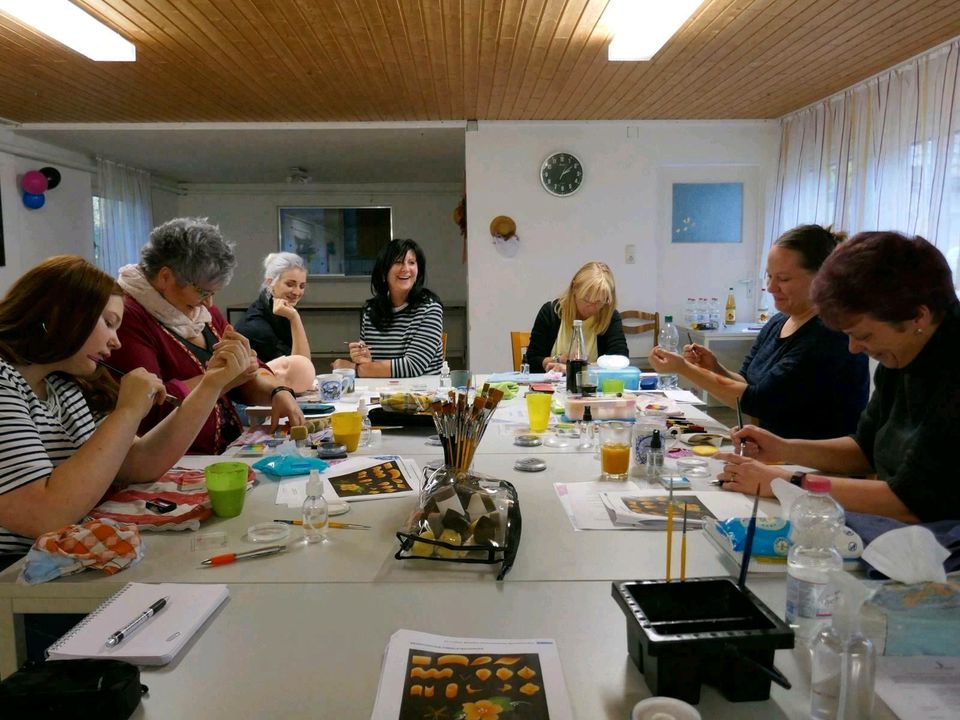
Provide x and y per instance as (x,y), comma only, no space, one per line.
(614,451)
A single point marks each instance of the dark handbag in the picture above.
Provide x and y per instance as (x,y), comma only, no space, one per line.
(99,689)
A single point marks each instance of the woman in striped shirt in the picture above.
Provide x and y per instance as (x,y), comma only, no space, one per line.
(67,431)
(402,328)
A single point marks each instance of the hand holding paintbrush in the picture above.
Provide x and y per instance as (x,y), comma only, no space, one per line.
(169,399)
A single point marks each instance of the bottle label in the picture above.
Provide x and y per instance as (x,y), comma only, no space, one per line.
(730,317)
(809,600)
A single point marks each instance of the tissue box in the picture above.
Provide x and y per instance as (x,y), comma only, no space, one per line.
(630,376)
(919,619)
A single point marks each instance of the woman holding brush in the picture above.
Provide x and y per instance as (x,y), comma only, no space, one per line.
(172,329)
(68,430)
(798,379)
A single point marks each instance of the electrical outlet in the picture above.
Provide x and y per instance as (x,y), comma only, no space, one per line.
(630,256)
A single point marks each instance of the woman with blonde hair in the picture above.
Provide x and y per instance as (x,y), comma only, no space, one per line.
(591,296)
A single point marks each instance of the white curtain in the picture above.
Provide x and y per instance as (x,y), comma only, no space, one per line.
(882,155)
(124,215)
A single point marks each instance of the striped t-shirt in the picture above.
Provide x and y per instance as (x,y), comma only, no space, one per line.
(36,435)
(412,342)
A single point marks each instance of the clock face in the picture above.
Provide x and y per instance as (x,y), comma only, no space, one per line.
(561,174)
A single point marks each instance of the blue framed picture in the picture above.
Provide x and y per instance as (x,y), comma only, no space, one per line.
(707,213)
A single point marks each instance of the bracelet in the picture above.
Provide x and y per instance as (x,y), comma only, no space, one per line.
(281,388)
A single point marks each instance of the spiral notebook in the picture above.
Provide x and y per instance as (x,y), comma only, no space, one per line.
(158,640)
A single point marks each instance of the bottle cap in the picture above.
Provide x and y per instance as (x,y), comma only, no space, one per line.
(445,368)
(587,414)
(362,406)
(668,318)
(314,485)
(817,483)
(655,443)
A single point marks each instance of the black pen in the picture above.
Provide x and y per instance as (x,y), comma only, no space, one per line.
(117,637)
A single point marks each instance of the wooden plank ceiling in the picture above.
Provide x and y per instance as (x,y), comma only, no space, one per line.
(402,60)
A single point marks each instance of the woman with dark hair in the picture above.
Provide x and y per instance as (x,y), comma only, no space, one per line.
(894,298)
(172,328)
(591,296)
(68,430)
(798,379)
(402,327)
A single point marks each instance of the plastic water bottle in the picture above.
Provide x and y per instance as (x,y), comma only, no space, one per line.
(690,313)
(366,429)
(314,515)
(814,521)
(669,340)
(714,314)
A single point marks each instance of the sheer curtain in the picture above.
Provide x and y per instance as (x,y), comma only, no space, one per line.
(123,214)
(882,155)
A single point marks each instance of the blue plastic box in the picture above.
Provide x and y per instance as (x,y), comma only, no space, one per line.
(630,376)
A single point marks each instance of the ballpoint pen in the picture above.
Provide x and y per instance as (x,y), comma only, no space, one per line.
(169,399)
(117,637)
(228,558)
(335,525)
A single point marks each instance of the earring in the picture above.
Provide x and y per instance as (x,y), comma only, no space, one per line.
(918,331)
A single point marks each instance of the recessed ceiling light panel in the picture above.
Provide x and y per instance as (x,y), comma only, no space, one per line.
(66,23)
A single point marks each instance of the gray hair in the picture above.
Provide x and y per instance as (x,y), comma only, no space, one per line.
(193,248)
(276,264)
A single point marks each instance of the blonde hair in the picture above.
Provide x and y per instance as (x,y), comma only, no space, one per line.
(594,283)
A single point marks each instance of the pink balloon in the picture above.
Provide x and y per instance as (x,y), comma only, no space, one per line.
(34,182)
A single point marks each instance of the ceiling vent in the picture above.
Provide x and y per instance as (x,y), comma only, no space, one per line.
(299,175)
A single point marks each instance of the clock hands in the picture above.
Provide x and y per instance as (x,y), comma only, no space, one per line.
(568,169)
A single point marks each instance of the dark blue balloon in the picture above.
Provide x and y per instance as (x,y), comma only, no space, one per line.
(34,201)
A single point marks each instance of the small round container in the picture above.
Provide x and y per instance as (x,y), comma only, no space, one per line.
(527,441)
(693,466)
(433,440)
(268,532)
(530,464)
(331,450)
(664,708)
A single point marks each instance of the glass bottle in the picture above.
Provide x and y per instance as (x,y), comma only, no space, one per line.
(524,370)
(576,358)
(314,513)
(730,314)
(655,457)
(366,429)
(445,374)
(586,429)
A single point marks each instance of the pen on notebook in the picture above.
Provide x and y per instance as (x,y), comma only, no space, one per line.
(335,525)
(169,399)
(117,637)
(228,558)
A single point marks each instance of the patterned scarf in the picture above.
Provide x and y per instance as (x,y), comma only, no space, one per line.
(137,286)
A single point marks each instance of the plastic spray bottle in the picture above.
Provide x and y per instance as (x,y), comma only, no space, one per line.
(844,659)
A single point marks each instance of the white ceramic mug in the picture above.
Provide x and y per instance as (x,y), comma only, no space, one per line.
(330,387)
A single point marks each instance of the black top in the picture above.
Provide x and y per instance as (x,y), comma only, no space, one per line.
(268,334)
(807,385)
(910,431)
(547,326)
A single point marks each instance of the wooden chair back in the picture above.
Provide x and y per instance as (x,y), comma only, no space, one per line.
(648,321)
(519,341)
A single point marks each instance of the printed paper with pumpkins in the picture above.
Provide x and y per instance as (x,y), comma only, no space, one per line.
(383,479)
(650,506)
(473,687)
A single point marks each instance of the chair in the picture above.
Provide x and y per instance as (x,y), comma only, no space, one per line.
(519,341)
(642,327)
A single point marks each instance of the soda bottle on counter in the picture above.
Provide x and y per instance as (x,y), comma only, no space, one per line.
(730,314)
(576,358)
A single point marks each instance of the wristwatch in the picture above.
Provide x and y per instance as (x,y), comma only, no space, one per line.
(281,388)
(797,478)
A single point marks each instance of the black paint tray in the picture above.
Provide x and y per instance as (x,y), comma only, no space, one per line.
(702,630)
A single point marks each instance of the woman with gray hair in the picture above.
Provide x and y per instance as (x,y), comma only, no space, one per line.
(172,328)
(274,327)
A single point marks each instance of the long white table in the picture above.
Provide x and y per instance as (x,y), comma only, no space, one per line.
(304,631)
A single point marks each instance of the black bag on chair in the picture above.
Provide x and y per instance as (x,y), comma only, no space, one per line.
(98,689)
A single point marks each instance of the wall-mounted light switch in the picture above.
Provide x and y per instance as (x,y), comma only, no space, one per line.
(630,256)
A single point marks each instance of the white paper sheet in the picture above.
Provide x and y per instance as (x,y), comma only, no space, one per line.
(293,491)
(684,396)
(920,688)
(536,668)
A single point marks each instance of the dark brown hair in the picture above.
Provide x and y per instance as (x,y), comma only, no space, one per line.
(36,330)
(885,275)
(813,243)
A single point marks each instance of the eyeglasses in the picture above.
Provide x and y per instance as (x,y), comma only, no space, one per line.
(204,294)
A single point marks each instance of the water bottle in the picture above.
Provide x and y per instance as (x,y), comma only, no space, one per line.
(445,374)
(690,313)
(524,370)
(366,429)
(714,314)
(669,340)
(314,514)
(815,519)
(703,314)
(576,358)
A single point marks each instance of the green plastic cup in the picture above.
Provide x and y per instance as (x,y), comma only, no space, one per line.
(226,487)
(612,386)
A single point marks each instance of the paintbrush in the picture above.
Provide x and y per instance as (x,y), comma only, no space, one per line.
(169,399)
(748,542)
(740,422)
(683,546)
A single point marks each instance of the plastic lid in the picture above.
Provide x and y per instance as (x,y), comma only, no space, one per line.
(587,414)
(269,532)
(664,708)
(817,483)
(314,484)
(655,442)
(668,318)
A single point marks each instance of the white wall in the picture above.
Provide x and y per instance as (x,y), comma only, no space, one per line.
(247,215)
(64,225)
(625,199)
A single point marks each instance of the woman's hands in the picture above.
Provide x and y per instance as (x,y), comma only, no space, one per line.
(234,362)
(360,353)
(140,390)
(743,474)
(557,363)
(701,357)
(664,361)
(284,309)
(284,405)
(760,444)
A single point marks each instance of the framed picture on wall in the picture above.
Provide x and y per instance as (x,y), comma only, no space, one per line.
(336,241)
(707,212)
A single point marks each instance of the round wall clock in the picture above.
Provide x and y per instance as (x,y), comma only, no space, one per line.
(561,174)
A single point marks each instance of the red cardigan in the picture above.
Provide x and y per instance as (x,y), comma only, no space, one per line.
(148,344)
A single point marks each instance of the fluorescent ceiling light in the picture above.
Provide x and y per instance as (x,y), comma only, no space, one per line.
(65,22)
(641,27)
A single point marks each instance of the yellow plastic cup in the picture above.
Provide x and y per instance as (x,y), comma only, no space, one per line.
(226,487)
(612,386)
(346,429)
(538,409)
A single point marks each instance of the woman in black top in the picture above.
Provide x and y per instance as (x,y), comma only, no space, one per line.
(591,297)
(798,379)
